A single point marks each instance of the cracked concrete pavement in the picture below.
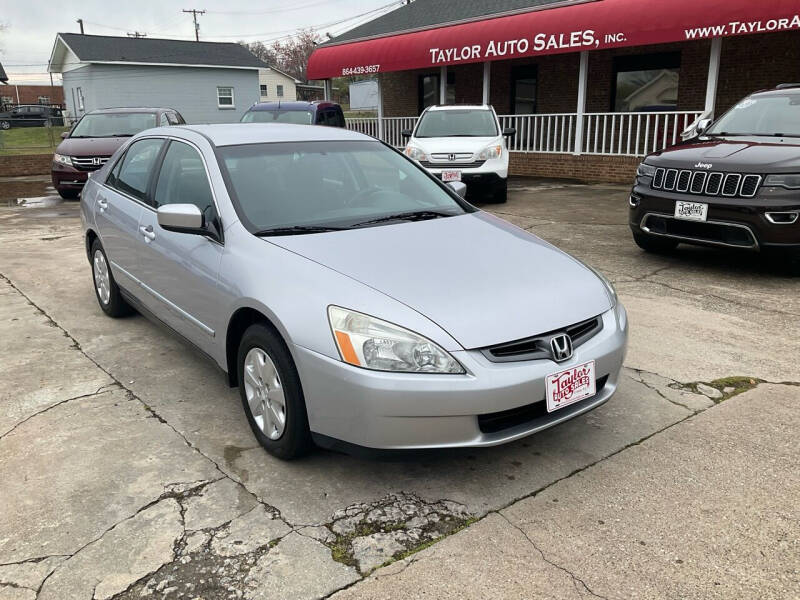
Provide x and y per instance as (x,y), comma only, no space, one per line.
(127,468)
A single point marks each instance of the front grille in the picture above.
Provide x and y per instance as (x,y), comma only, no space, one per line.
(714,233)
(528,414)
(707,184)
(452,165)
(89,163)
(538,347)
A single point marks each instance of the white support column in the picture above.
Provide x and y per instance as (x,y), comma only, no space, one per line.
(583,75)
(713,77)
(327,86)
(443,85)
(487,79)
(380,112)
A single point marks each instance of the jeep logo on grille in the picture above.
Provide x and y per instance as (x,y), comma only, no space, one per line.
(702,165)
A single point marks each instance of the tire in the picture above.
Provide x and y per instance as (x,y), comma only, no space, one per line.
(5,125)
(105,288)
(653,244)
(267,377)
(69,194)
(500,193)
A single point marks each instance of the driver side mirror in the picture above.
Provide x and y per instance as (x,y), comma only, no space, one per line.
(702,126)
(181,218)
(64,135)
(459,187)
(509,132)
(406,133)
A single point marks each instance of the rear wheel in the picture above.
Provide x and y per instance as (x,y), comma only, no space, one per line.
(5,124)
(105,288)
(654,244)
(271,393)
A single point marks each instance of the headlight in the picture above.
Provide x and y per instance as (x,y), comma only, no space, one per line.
(368,342)
(791,182)
(612,292)
(415,153)
(646,170)
(64,160)
(493,151)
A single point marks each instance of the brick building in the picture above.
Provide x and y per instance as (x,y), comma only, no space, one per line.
(590,85)
(31,94)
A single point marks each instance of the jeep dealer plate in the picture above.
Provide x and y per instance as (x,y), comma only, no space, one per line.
(570,386)
(451,176)
(691,211)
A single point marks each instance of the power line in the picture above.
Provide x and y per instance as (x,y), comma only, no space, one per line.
(196,12)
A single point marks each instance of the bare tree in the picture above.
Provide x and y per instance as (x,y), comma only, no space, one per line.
(290,56)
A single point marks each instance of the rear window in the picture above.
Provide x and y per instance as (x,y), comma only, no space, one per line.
(298,117)
(457,123)
(113,124)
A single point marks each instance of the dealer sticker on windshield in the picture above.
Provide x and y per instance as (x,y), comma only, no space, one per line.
(570,386)
(451,176)
(691,211)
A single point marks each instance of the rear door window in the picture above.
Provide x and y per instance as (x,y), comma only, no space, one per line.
(132,175)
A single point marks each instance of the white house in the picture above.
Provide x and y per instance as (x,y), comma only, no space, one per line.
(276,85)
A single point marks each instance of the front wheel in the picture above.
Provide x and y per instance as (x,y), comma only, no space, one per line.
(5,125)
(271,393)
(68,194)
(500,193)
(105,288)
(654,244)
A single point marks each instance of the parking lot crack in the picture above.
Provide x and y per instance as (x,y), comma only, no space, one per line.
(575,579)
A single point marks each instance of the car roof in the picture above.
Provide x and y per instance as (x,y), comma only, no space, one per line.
(234,134)
(127,109)
(784,91)
(292,105)
(438,107)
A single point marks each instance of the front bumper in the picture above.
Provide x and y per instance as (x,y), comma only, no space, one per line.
(397,411)
(731,222)
(65,177)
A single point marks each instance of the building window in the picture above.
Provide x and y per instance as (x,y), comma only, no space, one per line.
(44,100)
(263,90)
(429,90)
(225,97)
(6,100)
(79,93)
(645,83)
(280,91)
(523,90)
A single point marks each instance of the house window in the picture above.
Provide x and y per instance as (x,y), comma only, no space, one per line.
(79,93)
(523,90)
(263,90)
(44,100)
(429,90)
(6,99)
(280,91)
(225,97)
(645,83)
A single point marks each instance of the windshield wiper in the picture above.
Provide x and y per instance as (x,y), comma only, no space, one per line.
(296,230)
(417,215)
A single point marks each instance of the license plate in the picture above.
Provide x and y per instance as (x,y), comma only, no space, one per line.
(451,176)
(691,211)
(570,386)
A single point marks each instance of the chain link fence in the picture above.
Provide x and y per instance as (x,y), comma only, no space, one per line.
(32,128)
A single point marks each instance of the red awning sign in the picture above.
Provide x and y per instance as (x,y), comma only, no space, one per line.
(589,26)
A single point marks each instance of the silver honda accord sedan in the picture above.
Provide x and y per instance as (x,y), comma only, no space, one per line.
(356,301)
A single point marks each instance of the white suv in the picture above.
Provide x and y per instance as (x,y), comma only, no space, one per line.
(463,143)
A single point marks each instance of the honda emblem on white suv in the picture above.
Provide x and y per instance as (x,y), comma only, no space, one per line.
(451,157)
(561,347)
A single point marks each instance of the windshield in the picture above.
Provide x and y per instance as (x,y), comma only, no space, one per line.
(457,123)
(298,117)
(765,115)
(113,124)
(335,184)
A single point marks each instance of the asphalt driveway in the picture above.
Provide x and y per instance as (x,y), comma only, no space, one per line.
(127,468)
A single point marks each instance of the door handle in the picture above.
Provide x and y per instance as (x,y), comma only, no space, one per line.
(102,203)
(148,233)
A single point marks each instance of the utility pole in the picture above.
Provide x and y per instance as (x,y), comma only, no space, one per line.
(196,12)
(80,22)
(137,34)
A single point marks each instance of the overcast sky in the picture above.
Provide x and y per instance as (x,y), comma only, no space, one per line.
(31,26)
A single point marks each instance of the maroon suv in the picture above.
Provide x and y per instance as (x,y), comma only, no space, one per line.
(95,137)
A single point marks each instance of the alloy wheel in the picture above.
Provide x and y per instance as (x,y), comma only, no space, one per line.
(102,279)
(264,392)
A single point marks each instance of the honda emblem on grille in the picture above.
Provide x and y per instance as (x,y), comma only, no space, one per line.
(561,347)
(451,157)
(96,160)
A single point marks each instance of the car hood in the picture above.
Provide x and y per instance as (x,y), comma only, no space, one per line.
(481,279)
(90,146)
(743,154)
(455,144)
